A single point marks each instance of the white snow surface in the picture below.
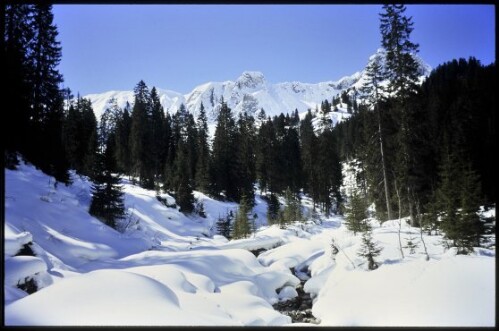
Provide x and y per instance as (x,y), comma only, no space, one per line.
(167,268)
(250,92)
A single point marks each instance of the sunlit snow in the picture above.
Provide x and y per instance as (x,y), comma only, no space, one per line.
(166,268)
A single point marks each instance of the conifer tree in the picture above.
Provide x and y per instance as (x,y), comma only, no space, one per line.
(90,137)
(72,136)
(292,162)
(242,226)
(412,244)
(261,115)
(107,196)
(309,144)
(140,137)
(265,155)
(223,170)
(292,210)
(17,36)
(327,171)
(372,93)
(183,182)
(458,199)
(46,112)
(202,166)
(469,224)
(192,146)
(109,120)
(173,133)
(32,54)
(447,195)
(122,137)
(278,172)
(158,139)
(402,68)
(369,249)
(402,73)
(273,208)
(356,213)
(246,157)
(224,225)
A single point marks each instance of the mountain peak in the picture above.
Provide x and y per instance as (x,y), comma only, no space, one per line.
(251,92)
(250,79)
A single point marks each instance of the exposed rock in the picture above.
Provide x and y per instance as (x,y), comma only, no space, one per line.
(298,308)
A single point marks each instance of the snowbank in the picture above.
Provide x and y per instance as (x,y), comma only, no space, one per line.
(167,268)
(18,268)
(455,291)
(15,240)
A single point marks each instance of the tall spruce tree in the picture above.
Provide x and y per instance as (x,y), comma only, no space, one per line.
(372,91)
(203,151)
(183,181)
(140,137)
(172,125)
(122,137)
(18,35)
(447,194)
(90,137)
(458,199)
(158,139)
(328,172)
(46,116)
(402,68)
(402,73)
(273,208)
(292,160)
(469,224)
(223,170)
(72,136)
(246,157)
(80,136)
(265,155)
(356,212)
(191,142)
(309,143)
(107,196)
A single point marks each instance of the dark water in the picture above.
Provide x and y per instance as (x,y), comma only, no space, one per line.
(298,308)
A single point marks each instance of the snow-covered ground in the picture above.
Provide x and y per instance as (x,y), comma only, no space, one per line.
(170,269)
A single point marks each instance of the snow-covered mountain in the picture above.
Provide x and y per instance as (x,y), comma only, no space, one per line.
(250,92)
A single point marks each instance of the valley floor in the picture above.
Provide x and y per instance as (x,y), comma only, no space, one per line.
(165,268)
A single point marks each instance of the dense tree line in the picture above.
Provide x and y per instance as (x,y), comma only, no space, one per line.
(422,150)
(32,54)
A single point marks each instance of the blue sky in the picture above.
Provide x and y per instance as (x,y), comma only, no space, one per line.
(112,47)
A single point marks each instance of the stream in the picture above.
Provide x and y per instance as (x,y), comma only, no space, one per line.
(298,308)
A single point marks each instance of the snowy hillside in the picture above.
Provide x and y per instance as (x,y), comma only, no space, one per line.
(250,92)
(165,268)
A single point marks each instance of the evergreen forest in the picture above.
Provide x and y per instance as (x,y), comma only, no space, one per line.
(421,149)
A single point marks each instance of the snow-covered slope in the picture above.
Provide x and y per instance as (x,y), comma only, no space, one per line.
(170,100)
(165,268)
(250,92)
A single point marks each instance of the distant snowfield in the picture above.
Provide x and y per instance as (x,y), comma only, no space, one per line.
(172,269)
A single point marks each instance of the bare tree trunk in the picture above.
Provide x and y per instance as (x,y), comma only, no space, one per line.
(410,202)
(385,177)
(421,231)
(353,265)
(400,219)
